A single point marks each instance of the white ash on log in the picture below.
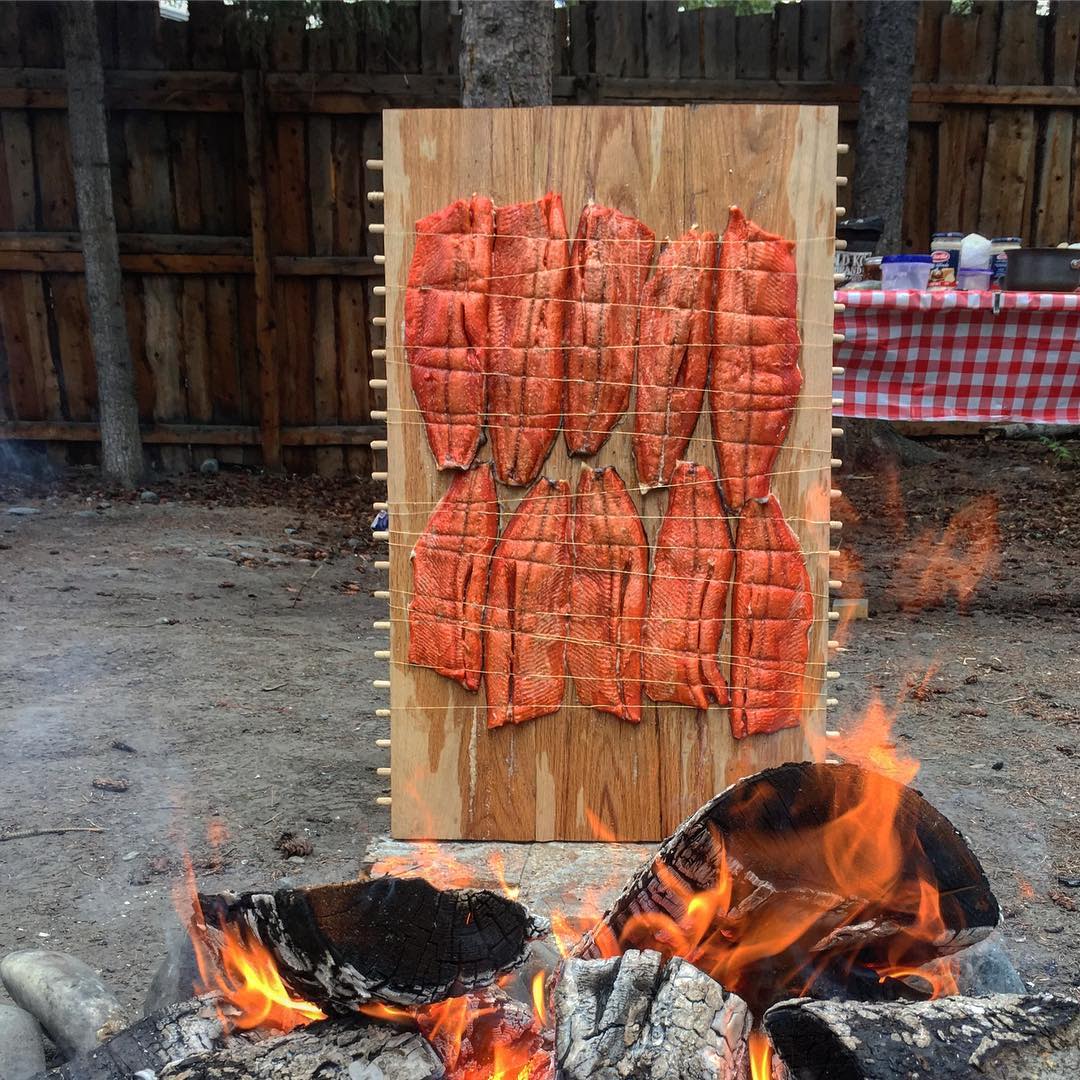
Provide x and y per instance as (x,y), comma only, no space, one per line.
(764,839)
(330,1050)
(1002,1037)
(639,1015)
(190,1027)
(394,940)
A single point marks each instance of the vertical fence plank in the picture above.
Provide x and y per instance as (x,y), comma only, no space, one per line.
(1010,144)
(928,39)
(844,39)
(661,39)
(814,40)
(581,40)
(269,391)
(787,41)
(718,43)
(957,47)
(619,39)
(918,203)
(690,44)
(1055,180)
(1019,60)
(438,44)
(1066,50)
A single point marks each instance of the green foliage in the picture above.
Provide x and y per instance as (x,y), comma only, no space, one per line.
(1064,457)
(742,7)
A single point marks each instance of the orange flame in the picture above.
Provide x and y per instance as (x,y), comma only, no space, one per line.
(539,1004)
(244,976)
(760,1056)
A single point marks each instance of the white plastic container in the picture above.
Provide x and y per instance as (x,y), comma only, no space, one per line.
(973,278)
(905,271)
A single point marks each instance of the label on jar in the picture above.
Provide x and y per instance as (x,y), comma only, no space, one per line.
(998,265)
(942,270)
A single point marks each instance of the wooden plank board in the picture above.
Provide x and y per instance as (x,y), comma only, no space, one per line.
(558,776)
(1055,180)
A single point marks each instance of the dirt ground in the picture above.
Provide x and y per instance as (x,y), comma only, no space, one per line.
(214,651)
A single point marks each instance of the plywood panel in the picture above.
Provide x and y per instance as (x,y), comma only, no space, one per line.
(561,776)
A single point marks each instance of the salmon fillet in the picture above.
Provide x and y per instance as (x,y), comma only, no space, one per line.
(772,609)
(446,317)
(526,368)
(450,574)
(607,595)
(755,358)
(688,594)
(673,354)
(527,601)
(609,262)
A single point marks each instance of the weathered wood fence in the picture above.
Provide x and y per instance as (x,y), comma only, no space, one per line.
(196,143)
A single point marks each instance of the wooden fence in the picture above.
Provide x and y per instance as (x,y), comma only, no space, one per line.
(994,147)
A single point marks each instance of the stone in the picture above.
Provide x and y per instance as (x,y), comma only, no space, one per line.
(209,467)
(177,976)
(21,1052)
(23,511)
(149,497)
(65,995)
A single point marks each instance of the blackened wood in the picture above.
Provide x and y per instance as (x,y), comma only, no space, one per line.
(1004,1037)
(751,819)
(400,941)
(330,1050)
(639,1015)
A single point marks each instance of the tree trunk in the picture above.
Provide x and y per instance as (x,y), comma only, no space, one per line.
(506,53)
(884,100)
(121,443)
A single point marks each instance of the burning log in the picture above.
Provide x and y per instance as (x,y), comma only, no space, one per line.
(399,941)
(641,1015)
(800,871)
(1003,1037)
(329,1048)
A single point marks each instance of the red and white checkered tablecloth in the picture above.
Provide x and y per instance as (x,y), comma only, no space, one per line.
(950,355)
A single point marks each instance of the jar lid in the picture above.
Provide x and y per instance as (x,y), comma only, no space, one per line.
(1006,240)
(948,235)
(906,259)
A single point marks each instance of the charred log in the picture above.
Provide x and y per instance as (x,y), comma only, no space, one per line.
(400,941)
(192,1027)
(642,1016)
(330,1050)
(762,844)
(1004,1037)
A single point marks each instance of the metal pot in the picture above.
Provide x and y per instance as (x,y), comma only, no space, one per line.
(1043,270)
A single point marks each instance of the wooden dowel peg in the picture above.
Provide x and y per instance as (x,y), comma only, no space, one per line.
(378,444)
(380,506)
(839,245)
(379,290)
(376,227)
(381,564)
(832,761)
(834,584)
(379,477)
(835,307)
(377,384)
(834,525)
(839,279)
(838,339)
(375,196)
(832,702)
(834,554)
(832,674)
(382,770)
(834,616)
(841,181)
(382,535)
(379,260)
(832,643)
(841,211)
(381,624)
(842,148)
(381,684)
(383,800)
(382,654)
(383,744)
(832,734)
(835,371)
(837,402)
(378,414)
(837,432)
(375,164)
(835,493)
(381,594)
(378,354)
(383,713)
(378,320)
(836,462)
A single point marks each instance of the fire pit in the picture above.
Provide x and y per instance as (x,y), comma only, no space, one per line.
(803,925)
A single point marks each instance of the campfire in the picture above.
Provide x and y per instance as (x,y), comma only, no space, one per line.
(809,922)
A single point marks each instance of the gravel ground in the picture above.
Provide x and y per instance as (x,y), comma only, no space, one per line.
(224,635)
